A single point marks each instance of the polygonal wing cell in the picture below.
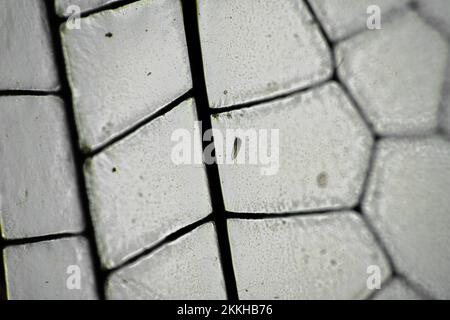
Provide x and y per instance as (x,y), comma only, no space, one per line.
(124,65)
(27,59)
(395,80)
(138,195)
(397,289)
(39,193)
(317,160)
(258,49)
(66,8)
(324,256)
(50,270)
(342,18)
(188,268)
(408,203)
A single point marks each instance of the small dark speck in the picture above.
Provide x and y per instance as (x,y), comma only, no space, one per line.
(149,74)
(108,35)
(236,147)
(322,180)
(225,92)
(414,5)
(114,169)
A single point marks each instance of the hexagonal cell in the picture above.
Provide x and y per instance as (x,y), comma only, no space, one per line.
(343,18)
(397,289)
(50,270)
(258,49)
(394,80)
(188,268)
(436,12)
(27,59)
(136,59)
(138,195)
(39,192)
(65,8)
(317,160)
(407,202)
(323,256)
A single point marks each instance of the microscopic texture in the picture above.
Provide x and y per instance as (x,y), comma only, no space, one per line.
(317,160)
(311,257)
(445,115)
(138,195)
(342,18)
(396,82)
(50,270)
(437,12)
(26,53)
(397,290)
(408,203)
(188,268)
(39,192)
(67,8)
(136,59)
(258,49)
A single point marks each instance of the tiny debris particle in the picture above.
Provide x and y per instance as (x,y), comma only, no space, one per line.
(114,169)
(322,180)
(236,147)
(225,92)
(108,35)
(148,74)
